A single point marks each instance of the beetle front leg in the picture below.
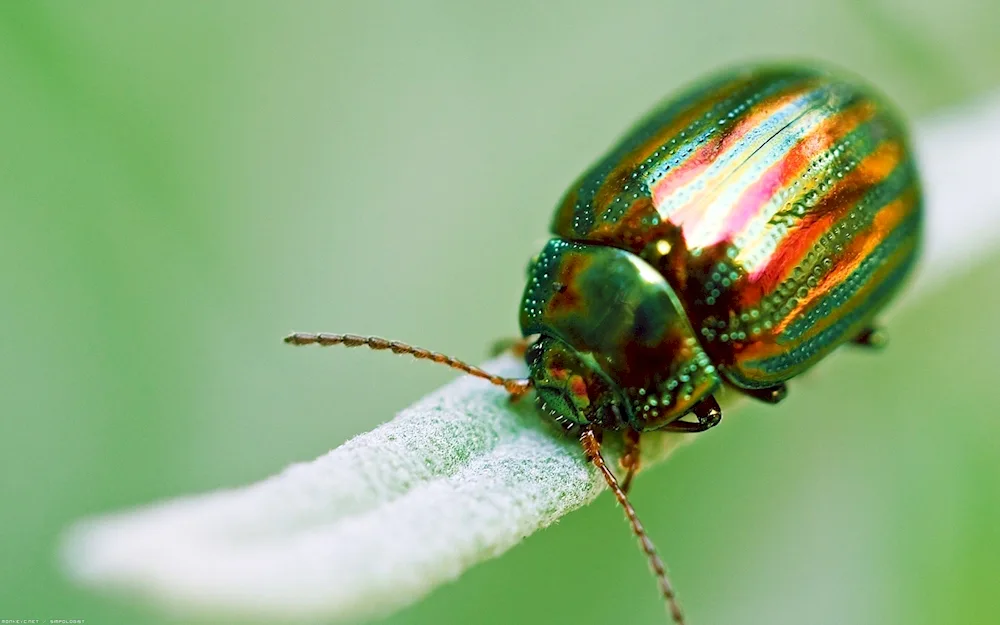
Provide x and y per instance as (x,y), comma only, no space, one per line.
(707,411)
(630,459)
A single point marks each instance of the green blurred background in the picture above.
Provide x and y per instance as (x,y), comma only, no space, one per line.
(181,183)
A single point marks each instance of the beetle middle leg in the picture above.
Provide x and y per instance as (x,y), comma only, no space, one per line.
(769,395)
(630,458)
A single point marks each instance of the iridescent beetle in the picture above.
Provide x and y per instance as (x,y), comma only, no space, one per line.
(735,237)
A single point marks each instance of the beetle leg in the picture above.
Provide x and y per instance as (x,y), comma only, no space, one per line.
(516,346)
(769,395)
(630,459)
(707,411)
(872,336)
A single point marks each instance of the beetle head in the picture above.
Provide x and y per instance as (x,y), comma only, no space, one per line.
(572,387)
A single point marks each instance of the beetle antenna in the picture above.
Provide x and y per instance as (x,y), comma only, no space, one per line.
(514,386)
(592,447)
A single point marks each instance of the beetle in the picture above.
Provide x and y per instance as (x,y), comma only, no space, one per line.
(736,236)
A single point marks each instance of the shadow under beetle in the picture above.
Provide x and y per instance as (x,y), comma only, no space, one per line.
(734,237)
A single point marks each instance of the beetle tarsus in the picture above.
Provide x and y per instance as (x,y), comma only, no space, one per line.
(873,337)
(707,411)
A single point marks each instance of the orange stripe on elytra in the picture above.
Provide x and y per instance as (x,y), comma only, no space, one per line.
(886,221)
(877,166)
(865,292)
(888,218)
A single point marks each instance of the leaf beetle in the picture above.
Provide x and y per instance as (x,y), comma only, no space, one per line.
(734,237)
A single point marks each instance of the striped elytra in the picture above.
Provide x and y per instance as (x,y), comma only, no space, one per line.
(736,236)
(781,208)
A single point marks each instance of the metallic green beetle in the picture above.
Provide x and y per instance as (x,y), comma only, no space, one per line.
(736,236)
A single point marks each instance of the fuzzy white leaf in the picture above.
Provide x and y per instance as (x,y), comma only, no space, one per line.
(458,478)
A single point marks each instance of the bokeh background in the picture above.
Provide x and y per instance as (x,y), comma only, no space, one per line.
(182,183)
